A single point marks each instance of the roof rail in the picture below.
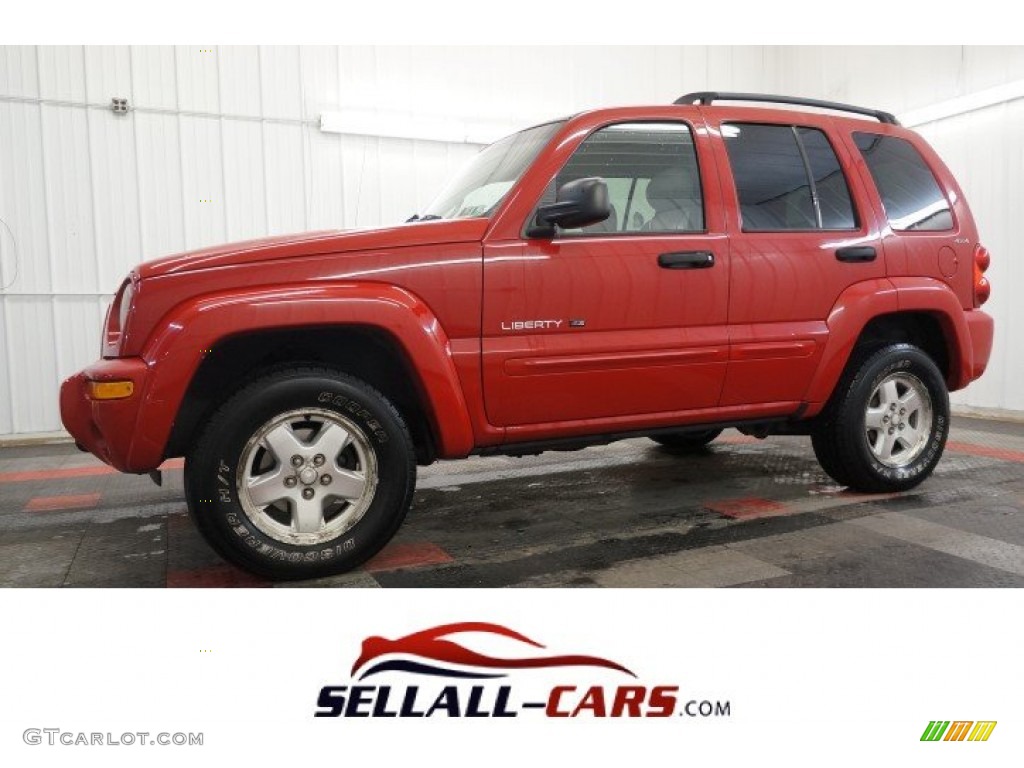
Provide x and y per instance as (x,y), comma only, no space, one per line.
(707,97)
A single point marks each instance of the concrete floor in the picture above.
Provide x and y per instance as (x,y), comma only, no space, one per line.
(746,513)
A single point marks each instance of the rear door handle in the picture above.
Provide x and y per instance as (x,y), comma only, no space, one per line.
(686,260)
(855,253)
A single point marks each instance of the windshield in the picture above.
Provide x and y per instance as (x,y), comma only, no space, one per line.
(481,185)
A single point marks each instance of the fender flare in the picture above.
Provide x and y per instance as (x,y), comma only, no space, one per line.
(175,350)
(862,302)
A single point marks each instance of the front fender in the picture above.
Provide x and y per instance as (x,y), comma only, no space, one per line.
(175,350)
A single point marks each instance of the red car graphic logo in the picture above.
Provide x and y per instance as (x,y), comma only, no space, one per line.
(434,652)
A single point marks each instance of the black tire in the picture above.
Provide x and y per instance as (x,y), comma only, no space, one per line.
(843,439)
(304,403)
(686,442)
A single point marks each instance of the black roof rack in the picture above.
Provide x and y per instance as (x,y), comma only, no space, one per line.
(707,97)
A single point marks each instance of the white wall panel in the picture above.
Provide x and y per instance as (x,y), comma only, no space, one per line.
(24,247)
(6,400)
(108,72)
(239,80)
(280,81)
(161,201)
(319,67)
(222,144)
(286,184)
(19,75)
(326,182)
(197,78)
(115,191)
(361,160)
(245,198)
(31,345)
(70,199)
(202,175)
(77,322)
(61,72)
(154,83)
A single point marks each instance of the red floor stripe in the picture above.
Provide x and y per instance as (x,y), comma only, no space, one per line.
(745,509)
(985,450)
(89,471)
(54,474)
(53,503)
(214,576)
(738,440)
(409,555)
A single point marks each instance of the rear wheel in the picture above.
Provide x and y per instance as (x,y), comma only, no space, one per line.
(887,425)
(687,442)
(307,472)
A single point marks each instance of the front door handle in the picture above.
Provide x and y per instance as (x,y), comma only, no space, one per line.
(855,253)
(686,260)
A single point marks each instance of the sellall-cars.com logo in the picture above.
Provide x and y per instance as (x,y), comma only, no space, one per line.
(435,673)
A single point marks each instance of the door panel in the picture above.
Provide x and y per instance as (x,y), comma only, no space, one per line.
(627,317)
(785,280)
(613,333)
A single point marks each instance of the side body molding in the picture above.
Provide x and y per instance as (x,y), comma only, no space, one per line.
(175,350)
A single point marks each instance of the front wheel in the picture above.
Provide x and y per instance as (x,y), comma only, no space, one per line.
(887,425)
(307,472)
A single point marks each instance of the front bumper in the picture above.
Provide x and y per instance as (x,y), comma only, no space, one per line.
(107,428)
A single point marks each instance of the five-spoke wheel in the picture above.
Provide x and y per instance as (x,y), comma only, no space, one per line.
(304,473)
(898,421)
(307,476)
(886,424)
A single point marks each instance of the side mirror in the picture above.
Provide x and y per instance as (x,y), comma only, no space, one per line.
(577,204)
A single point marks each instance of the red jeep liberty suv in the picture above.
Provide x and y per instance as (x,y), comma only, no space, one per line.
(666,271)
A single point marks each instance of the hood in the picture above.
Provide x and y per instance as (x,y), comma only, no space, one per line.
(318,243)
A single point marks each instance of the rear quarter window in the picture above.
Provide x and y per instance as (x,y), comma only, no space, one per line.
(912,198)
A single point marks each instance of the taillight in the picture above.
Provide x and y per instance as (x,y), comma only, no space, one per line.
(982,288)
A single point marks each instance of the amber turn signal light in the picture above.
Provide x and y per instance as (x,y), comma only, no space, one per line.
(111,390)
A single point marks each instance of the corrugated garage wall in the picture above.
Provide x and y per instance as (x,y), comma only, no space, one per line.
(223,144)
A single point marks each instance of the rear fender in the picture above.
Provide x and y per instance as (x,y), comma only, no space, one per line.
(862,302)
(851,312)
(926,294)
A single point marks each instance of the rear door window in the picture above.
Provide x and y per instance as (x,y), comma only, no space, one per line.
(910,194)
(787,178)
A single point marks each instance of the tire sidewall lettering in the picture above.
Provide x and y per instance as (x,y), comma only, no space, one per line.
(214,493)
(354,408)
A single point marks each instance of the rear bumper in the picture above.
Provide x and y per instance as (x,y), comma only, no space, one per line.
(107,428)
(981,328)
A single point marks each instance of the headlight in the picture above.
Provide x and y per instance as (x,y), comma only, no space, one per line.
(127,295)
(117,319)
